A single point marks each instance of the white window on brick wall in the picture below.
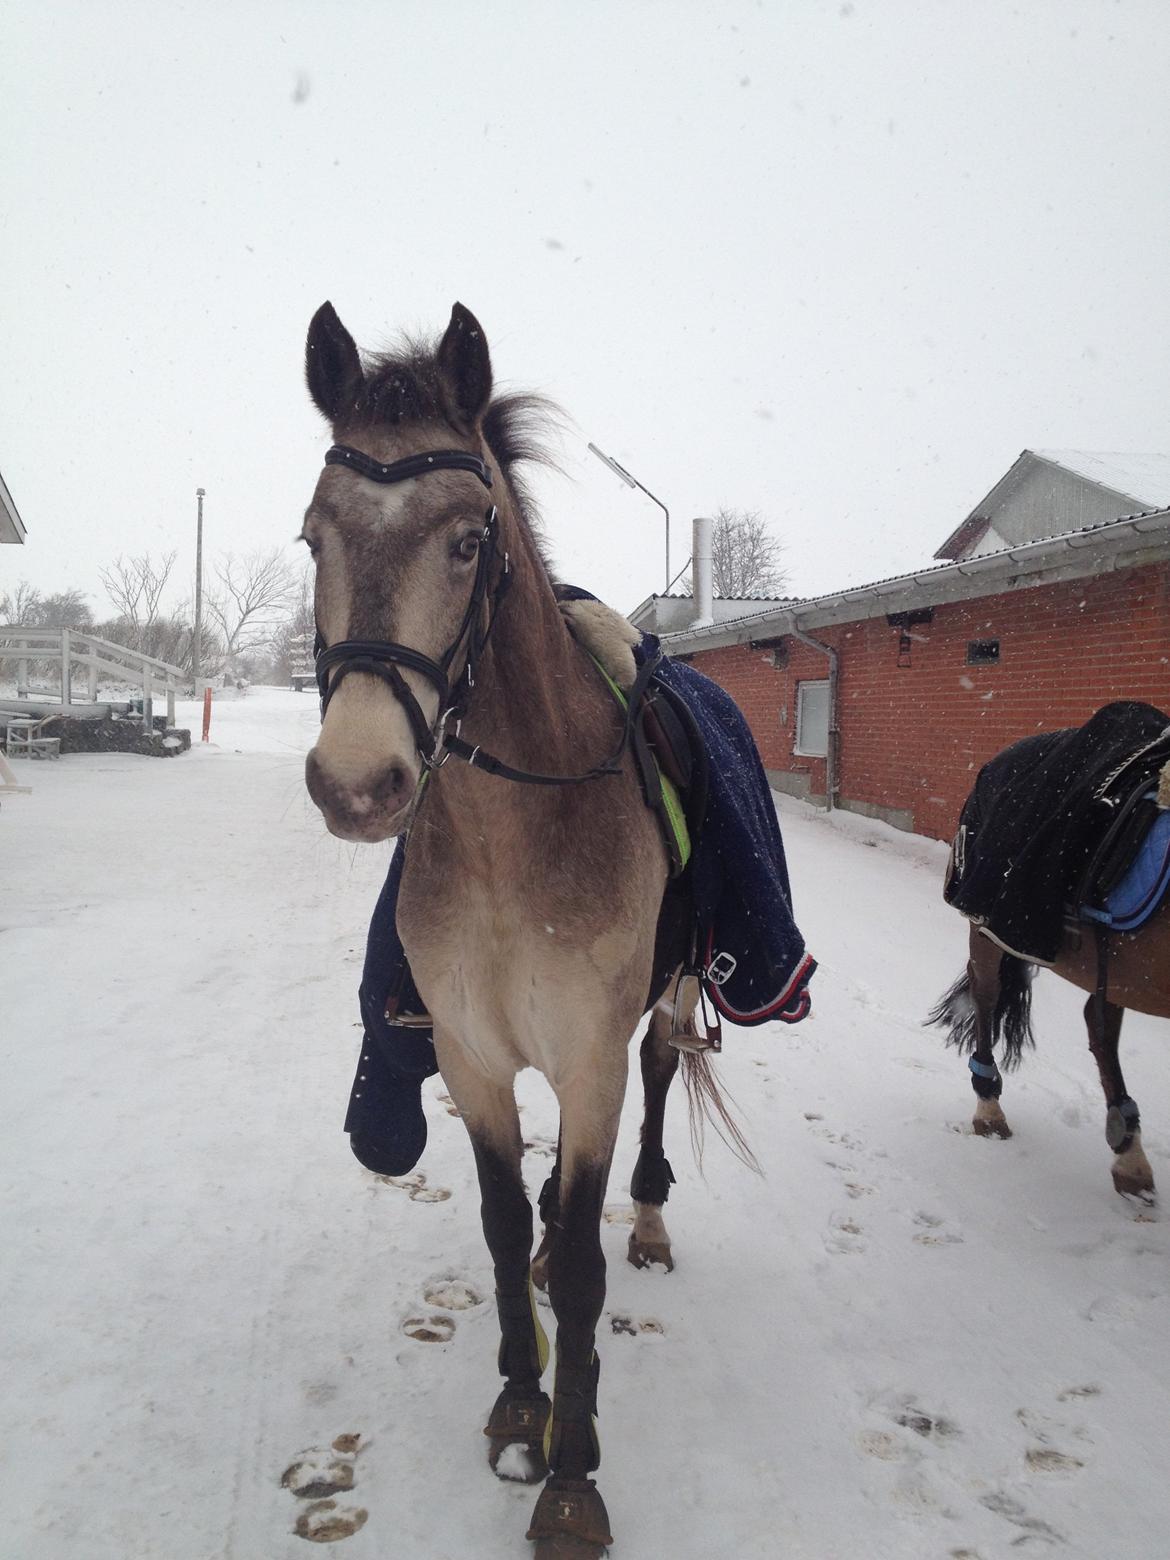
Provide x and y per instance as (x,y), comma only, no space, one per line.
(812,719)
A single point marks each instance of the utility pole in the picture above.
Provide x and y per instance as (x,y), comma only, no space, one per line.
(197,642)
(632,481)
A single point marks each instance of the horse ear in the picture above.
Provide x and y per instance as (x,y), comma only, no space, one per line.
(332,366)
(466,366)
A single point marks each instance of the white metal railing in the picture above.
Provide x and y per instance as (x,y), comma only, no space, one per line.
(70,647)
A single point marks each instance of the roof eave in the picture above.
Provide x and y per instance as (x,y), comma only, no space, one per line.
(1122,543)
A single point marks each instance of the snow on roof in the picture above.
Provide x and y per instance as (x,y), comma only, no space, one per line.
(1017,561)
(1145,478)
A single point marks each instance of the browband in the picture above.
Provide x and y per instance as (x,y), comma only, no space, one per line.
(411,466)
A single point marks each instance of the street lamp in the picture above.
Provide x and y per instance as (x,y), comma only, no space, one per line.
(197,637)
(619,470)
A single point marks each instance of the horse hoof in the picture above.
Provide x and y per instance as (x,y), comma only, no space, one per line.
(645,1253)
(990,1121)
(1138,1186)
(516,1433)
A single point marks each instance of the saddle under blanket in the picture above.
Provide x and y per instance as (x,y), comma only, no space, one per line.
(1034,825)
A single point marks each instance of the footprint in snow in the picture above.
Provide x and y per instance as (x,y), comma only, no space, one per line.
(415,1185)
(618,1213)
(449,1103)
(1046,1456)
(450,1293)
(931,1231)
(1015,1512)
(647,1326)
(844,1237)
(429,1329)
(904,1411)
(540,1145)
(313,1478)
(843,1138)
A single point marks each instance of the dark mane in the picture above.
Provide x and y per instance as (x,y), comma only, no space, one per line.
(406,385)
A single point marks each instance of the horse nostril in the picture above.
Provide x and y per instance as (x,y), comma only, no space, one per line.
(392,786)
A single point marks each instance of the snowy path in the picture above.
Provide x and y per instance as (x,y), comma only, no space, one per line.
(905,1342)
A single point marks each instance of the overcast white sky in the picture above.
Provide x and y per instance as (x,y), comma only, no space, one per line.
(837,262)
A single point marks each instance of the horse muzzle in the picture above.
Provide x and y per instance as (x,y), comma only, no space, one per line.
(362,809)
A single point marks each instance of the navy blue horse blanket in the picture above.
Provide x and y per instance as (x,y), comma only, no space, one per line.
(755,962)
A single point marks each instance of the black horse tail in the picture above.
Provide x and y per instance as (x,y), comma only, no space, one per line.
(1011,1022)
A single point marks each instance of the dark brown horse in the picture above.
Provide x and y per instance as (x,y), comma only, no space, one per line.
(991,1002)
(536,914)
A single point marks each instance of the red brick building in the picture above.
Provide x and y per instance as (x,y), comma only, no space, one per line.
(894,694)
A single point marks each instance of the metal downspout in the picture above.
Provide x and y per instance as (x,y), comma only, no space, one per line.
(831,755)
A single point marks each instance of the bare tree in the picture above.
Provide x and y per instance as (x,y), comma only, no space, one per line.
(20,606)
(249,600)
(745,557)
(135,587)
(63,609)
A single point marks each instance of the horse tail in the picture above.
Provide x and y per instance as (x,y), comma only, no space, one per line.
(707,1102)
(1013,1012)
(1011,1021)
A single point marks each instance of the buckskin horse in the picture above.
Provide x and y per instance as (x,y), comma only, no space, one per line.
(537,916)
(1048,865)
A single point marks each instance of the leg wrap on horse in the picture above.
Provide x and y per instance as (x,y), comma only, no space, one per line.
(524,1347)
(652,1178)
(1122,1120)
(571,1436)
(985,1079)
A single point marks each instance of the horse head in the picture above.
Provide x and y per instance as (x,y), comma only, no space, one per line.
(403,531)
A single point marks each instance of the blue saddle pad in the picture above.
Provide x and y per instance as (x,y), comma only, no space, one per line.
(1144,887)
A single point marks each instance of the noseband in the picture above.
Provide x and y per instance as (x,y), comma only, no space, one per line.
(382,658)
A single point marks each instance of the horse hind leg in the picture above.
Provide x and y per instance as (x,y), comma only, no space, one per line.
(653,1177)
(1132,1174)
(984,977)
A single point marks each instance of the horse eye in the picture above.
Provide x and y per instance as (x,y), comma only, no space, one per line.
(468,546)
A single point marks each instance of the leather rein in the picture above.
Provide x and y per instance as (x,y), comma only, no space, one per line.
(381,658)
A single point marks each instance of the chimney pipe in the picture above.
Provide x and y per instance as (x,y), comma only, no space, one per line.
(701,548)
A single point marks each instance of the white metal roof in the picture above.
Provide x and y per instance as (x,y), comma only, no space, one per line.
(1144,478)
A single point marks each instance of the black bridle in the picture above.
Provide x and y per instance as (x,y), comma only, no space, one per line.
(382,658)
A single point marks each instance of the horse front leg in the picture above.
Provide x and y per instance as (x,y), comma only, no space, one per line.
(570,1520)
(983,974)
(516,1425)
(1132,1174)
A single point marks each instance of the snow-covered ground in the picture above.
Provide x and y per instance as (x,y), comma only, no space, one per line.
(903,1342)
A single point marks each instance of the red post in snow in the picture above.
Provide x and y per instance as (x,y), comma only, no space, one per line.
(206,712)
